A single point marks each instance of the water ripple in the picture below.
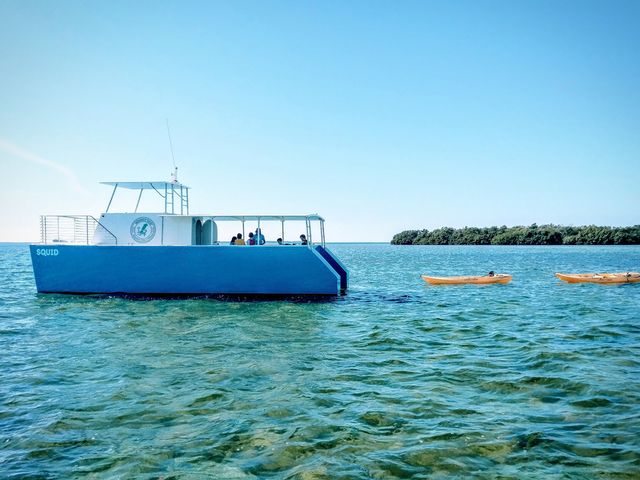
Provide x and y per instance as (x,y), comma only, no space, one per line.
(536,379)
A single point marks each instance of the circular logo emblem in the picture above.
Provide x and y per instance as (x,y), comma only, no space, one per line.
(143,229)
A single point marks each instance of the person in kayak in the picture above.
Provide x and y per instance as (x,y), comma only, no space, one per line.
(491,274)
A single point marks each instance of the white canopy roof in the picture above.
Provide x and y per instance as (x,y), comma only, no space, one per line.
(145,185)
(255,218)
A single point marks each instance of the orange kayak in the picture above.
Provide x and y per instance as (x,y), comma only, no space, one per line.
(477,280)
(625,277)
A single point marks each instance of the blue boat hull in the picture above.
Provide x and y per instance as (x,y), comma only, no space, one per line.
(184,270)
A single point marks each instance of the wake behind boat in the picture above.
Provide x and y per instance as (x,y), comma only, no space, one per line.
(502,278)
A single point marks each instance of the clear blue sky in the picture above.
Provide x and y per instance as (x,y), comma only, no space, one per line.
(381,116)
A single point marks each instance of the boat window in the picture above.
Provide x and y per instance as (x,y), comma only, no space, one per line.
(197,233)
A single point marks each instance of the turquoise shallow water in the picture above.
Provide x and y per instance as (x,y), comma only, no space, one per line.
(536,379)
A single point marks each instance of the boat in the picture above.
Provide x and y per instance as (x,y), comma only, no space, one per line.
(624,277)
(170,252)
(464,280)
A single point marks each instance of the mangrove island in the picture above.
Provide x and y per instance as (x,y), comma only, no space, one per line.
(520,235)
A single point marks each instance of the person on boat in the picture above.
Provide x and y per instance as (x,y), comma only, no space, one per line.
(259,237)
(251,240)
(303,240)
(279,240)
(233,240)
(239,240)
(491,274)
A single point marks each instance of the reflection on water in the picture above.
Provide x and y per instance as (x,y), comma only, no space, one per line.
(395,380)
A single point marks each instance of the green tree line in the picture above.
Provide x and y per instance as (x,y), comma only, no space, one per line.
(531,235)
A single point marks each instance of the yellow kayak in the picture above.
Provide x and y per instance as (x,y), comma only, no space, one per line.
(477,280)
(625,277)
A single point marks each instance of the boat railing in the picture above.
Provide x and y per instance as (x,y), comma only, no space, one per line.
(259,220)
(72,229)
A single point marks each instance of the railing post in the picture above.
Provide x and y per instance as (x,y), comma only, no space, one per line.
(138,202)
(115,187)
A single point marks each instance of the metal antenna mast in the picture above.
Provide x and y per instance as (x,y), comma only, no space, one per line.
(173,159)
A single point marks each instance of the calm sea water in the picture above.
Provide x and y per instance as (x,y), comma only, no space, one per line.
(536,379)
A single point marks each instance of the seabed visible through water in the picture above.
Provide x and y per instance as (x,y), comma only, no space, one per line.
(397,379)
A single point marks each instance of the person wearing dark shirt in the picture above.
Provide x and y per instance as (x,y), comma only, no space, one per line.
(259,237)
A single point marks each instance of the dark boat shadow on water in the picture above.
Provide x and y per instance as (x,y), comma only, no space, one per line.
(235,298)
(382,296)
